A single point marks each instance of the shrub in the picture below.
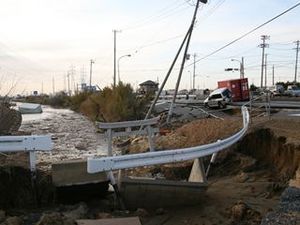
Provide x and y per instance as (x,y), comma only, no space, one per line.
(115,104)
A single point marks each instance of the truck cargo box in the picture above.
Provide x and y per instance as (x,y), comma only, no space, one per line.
(238,87)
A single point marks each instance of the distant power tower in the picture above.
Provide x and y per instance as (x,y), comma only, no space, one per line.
(263,46)
(82,74)
(72,74)
(296,65)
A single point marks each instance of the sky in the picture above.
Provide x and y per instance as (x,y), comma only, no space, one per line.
(42,41)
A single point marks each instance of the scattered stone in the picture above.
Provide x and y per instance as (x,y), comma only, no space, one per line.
(242,177)
(55,219)
(238,211)
(13,221)
(81,146)
(277,218)
(78,213)
(141,212)
(290,200)
(2,216)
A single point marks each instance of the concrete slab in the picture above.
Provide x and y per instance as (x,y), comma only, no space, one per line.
(197,174)
(113,221)
(74,172)
(149,193)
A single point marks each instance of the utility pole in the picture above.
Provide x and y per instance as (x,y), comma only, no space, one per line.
(115,55)
(242,72)
(72,73)
(263,46)
(273,75)
(53,85)
(172,65)
(91,72)
(68,77)
(266,71)
(194,72)
(296,64)
(183,60)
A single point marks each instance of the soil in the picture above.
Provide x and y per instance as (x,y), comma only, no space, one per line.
(245,183)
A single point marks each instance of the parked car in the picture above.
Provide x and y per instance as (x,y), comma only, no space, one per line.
(219,98)
(293,91)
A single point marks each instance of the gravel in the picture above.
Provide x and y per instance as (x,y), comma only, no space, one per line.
(288,212)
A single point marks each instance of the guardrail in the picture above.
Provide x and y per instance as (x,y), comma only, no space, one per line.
(126,128)
(29,144)
(95,165)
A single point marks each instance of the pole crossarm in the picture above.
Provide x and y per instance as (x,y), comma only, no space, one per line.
(95,165)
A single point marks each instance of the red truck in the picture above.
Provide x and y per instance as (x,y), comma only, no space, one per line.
(239,88)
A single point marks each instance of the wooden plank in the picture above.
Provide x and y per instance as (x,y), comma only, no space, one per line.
(112,221)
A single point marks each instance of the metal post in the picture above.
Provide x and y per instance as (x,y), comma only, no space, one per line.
(91,72)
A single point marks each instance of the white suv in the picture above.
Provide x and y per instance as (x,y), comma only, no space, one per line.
(218,98)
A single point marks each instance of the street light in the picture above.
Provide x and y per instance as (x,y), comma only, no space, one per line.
(242,70)
(119,64)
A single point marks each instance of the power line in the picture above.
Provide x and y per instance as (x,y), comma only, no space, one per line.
(246,34)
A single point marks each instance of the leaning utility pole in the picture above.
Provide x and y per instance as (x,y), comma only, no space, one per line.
(91,72)
(296,65)
(263,46)
(115,55)
(194,72)
(266,71)
(172,66)
(184,59)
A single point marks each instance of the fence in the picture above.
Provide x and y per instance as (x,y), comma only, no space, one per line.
(169,156)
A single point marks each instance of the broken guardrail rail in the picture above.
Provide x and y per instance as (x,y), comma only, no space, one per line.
(95,165)
(29,144)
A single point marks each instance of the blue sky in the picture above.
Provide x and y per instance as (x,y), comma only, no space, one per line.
(41,39)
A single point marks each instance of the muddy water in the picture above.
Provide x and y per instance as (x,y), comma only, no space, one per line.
(73,135)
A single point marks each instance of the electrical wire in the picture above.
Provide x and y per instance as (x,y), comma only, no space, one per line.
(246,34)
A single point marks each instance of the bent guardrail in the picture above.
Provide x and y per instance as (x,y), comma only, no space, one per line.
(29,144)
(95,165)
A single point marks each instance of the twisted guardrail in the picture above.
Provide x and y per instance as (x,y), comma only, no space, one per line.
(95,165)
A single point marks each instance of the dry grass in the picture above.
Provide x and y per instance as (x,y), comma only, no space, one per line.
(199,132)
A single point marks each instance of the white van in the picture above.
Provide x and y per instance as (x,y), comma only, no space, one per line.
(219,98)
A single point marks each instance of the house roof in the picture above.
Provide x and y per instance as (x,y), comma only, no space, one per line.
(149,83)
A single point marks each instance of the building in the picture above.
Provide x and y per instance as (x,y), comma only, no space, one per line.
(148,87)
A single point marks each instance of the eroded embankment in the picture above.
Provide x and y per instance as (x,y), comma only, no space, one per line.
(274,151)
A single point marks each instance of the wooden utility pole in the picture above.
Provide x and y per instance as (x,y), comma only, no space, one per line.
(263,46)
(266,71)
(194,72)
(173,63)
(296,64)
